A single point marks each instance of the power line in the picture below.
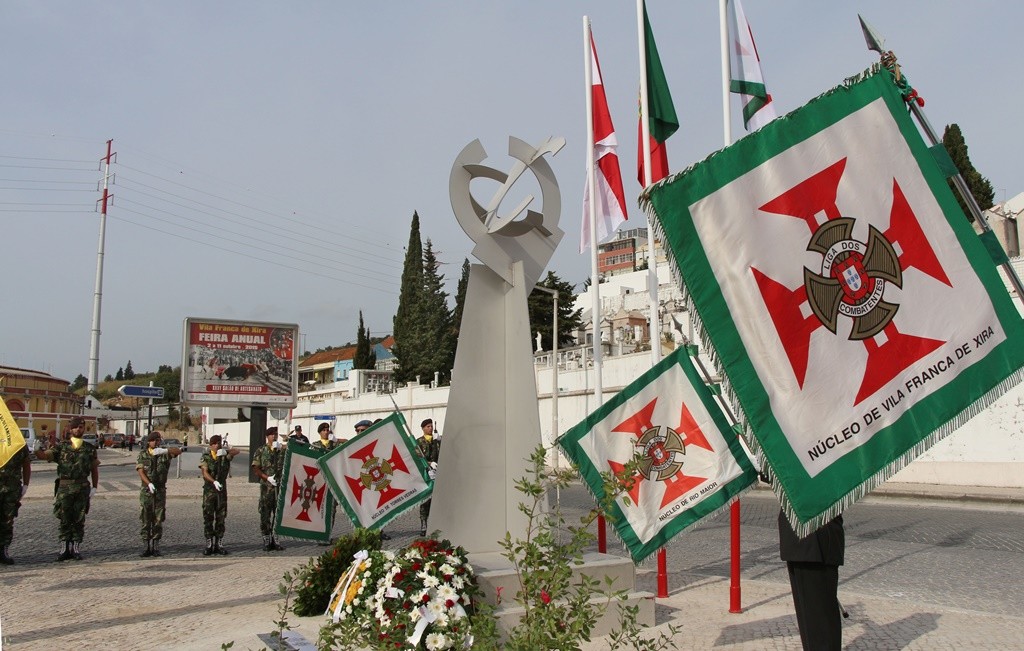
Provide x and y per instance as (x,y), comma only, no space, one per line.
(247,255)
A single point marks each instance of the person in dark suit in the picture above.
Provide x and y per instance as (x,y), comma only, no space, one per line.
(813,563)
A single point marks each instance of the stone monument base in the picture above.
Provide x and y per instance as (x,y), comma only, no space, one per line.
(494,571)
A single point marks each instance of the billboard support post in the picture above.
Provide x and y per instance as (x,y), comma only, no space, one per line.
(257,437)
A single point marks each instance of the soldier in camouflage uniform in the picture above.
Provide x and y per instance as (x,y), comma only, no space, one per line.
(429,447)
(14,478)
(268,463)
(76,466)
(215,465)
(152,465)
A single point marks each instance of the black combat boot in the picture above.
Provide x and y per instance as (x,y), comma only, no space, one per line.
(217,549)
(75,554)
(5,557)
(423,526)
(65,554)
(268,545)
(209,547)
(274,546)
(156,547)
(149,549)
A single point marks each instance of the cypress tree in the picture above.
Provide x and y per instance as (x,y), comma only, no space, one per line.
(980,187)
(460,297)
(435,321)
(364,358)
(540,306)
(407,347)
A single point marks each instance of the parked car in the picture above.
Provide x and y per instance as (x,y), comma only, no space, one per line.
(29,433)
(92,439)
(117,441)
(171,443)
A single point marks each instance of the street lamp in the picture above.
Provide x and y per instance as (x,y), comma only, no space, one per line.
(554,367)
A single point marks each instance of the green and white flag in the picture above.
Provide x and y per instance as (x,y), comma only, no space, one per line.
(304,505)
(692,462)
(856,316)
(747,78)
(378,474)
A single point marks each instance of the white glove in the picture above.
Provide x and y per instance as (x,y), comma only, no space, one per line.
(217,485)
(271,480)
(276,446)
(152,488)
(432,474)
(222,452)
(24,489)
(158,451)
(332,437)
(92,492)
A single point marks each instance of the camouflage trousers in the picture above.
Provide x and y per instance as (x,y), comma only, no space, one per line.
(10,501)
(70,506)
(268,508)
(152,513)
(424,510)
(215,510)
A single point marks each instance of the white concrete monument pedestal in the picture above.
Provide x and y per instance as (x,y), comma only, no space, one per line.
(493,424)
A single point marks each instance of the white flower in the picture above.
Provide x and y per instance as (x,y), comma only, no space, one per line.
(436,607)
(458,582)
(447,569)
(446,592)
(429,580)
(437,641)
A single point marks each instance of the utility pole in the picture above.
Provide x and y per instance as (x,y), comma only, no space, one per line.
(97,300)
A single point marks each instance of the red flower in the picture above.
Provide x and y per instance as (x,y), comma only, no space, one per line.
(448,603)
(426,598)
(545,597)
(497,592)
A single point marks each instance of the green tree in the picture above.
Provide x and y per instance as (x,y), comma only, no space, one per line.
(120,374)
(128,372)
(540,305)
(80,382)
(460,297)
(407,345)
(109,378)
(170,380)
(980,187)
(164,368)
(435,321)
(364,357)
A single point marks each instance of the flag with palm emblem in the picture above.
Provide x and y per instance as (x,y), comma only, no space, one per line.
(377,475)
(691,462)
(304,505)
(856,316)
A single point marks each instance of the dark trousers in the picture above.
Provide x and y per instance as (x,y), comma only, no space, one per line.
(814,588)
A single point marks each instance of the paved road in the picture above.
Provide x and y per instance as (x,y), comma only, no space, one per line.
(919,574)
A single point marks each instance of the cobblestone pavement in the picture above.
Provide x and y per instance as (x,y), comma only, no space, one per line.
(919,574)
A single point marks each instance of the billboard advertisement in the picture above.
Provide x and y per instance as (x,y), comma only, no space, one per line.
(239,363)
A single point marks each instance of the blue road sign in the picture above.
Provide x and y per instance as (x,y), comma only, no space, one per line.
(141,392)
(324,417)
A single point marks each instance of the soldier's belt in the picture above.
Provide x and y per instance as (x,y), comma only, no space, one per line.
(73,482)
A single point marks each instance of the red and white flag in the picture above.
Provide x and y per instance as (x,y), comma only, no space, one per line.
(609,198)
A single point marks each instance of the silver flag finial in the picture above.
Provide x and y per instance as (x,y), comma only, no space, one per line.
(871,37)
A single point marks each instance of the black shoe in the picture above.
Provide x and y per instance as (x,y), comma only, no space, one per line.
(65,555)
(217,549)
(75,555)
(423,533)
(209,547)
(147,553)
(156,549)
(384,536)
(4,558)
(276,546)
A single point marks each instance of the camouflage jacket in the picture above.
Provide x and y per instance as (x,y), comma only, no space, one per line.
(218,467)
(319,444)
(10,472)
(74,464)
(156,467)
(429,450)
(270,461)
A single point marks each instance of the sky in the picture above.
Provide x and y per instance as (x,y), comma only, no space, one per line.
(270,155)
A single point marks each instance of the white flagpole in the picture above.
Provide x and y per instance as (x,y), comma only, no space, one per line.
(595,292)
(723,21)
(645,136)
